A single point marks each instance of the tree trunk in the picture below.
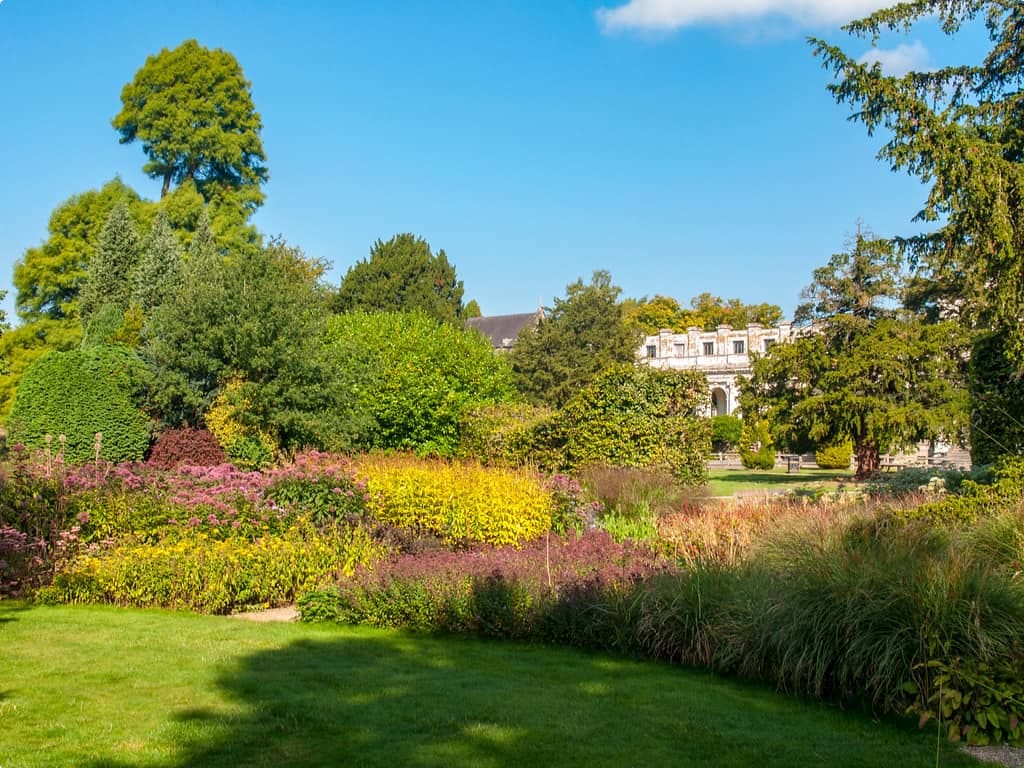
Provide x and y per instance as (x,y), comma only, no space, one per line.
(167,185)
(868,459)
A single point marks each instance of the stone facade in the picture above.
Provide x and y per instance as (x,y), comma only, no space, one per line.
(722,354)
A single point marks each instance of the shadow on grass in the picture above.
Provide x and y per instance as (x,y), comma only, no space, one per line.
(9,610)
(385,700)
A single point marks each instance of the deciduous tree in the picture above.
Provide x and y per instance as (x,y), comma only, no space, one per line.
(192,109)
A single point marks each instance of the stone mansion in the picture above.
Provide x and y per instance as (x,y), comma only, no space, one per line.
(722,354)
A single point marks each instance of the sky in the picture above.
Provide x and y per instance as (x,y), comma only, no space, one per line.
(682,145)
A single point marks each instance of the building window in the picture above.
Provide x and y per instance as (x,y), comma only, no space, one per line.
(709,347)
(652,351)
(739,347)
(768,344)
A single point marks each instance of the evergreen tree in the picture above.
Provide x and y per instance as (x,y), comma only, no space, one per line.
(402,275)
(159,267)
(957,128)
(109,279)
(582,335)
(865,371)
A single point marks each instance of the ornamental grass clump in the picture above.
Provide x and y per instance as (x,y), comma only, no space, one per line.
(459,501)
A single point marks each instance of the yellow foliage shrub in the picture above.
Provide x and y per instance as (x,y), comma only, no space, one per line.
(215,576)
(245,446)
(457,500)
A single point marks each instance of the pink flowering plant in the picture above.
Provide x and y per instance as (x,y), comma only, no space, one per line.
(557,589)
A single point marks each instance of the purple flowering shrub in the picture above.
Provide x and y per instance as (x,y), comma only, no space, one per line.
(145,503)
(570,590)
(37,532)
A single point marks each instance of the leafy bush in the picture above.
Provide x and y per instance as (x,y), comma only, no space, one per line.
(976,702)
(756,448)
(246,446)
(214,576)
(999,487)
(186,445)
(836,456)
(726,432)
(422,376)
(503,433)
(458,501)
(632,416)
(80,393)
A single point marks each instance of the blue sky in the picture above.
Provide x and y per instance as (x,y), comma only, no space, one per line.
(683,145)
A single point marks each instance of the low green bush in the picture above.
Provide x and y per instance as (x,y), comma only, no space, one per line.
(976,702)
(756,448)
(503,433)
(836,456)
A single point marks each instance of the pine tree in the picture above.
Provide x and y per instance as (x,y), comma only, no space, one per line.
(159,266)
(108,280)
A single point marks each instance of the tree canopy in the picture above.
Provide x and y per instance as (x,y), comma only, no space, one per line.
(959,129)
(49,276)
(192,109)
(255,322)
(706,311)
(864,371)
(582,335)
(402,275)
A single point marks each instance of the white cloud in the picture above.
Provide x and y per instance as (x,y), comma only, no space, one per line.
(899,60)
(667,15)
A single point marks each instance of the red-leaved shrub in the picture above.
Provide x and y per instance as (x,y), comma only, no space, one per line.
(186,446)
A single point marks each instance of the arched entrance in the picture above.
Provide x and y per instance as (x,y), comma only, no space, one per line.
(719,402)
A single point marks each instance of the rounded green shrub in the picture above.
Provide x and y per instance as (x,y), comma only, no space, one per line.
(836,456)
(726,432)
(78,394)
(756,448)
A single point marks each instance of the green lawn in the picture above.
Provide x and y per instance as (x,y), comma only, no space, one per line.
(726,482)
(107,687)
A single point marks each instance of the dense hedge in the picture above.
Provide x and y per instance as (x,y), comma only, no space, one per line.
(77,394)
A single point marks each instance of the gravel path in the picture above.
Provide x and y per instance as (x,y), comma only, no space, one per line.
(1011,757)
(288,613)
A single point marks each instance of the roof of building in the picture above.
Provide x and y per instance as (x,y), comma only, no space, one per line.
(503,329)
